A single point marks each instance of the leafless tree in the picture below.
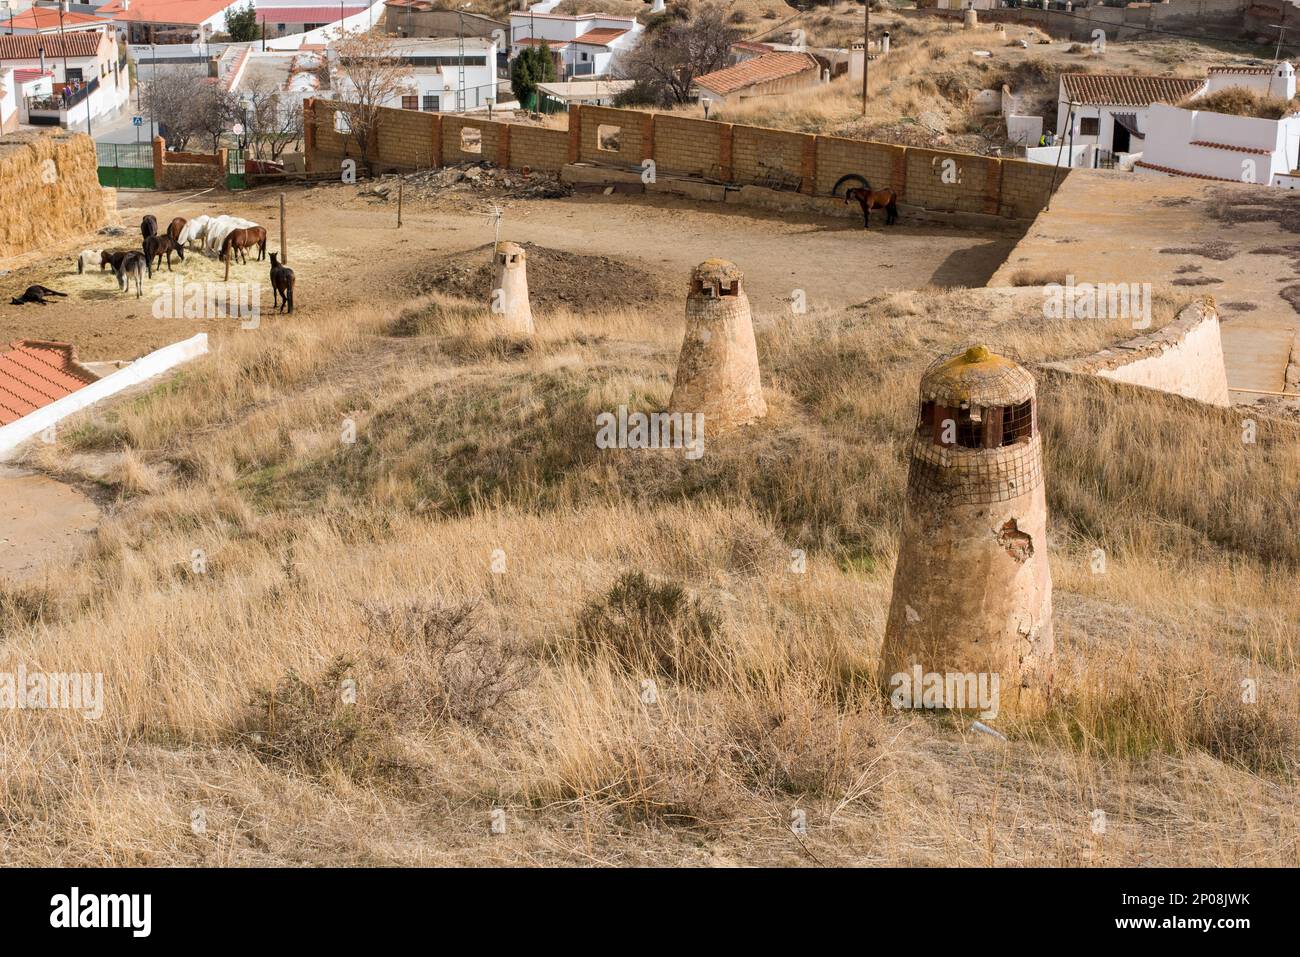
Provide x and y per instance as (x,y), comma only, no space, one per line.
(216,110)
(170,98)
(369,76)
(272,120)
(674,50)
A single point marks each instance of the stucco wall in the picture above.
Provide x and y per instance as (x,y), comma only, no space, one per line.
(1184,357)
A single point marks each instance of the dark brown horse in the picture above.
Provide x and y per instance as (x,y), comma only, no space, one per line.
(149,226)
(240,240)
(282,282)
(155,247)
(113,258)
(869,199)
(174,228)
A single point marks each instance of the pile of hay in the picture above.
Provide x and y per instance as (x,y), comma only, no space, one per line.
(49,189)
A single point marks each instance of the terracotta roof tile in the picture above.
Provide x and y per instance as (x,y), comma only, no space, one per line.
(28,46)
(1127,89)
(34,373)
(1178,172)
(761,69)
(42,18)
(1229,146)
(600,36)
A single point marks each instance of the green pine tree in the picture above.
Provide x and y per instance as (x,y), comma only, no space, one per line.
(242,24)
(533,66)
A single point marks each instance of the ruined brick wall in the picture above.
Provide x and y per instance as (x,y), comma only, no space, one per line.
(635,137)
(744,155)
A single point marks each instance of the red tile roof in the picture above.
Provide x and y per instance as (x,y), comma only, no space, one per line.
(600,36)
(28,45)
(1126,89)
(34,373)
(1229,146)
(41,18)
(304,14)
(1178,172)
(26,76)
(761,69)
(189,13)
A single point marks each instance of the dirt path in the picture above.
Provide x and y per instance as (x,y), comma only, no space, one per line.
(1122,228)
(41,521)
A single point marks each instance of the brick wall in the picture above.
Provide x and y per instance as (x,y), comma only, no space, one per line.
(931,179)
(1026,187)
(759,154)
(635,139)
(879,163)
(454,141)
(691,147)
(406,139)
(538,148)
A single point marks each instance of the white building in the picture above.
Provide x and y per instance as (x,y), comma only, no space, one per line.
(168,21)
(442,80)
(582,46)
(1277,80)
(86,70)
(1108,111)
(1217,146)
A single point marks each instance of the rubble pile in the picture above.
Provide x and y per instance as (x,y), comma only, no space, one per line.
(467,178)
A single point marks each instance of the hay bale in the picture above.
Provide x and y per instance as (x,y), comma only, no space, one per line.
(49,189)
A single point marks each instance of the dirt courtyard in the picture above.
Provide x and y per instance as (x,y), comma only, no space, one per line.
(345,248)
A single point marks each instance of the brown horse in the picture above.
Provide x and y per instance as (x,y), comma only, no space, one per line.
(155,247)
(174,228)
(282,282)
(149,226)
(870,199)
(239,240)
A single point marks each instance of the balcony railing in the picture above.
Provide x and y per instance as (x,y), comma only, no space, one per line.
(56,102)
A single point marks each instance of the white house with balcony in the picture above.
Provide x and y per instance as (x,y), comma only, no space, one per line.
(86,70)
(443,79)
(582,46)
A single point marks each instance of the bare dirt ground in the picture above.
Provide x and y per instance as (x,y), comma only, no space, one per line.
(1234,242)
(342,245)
(41,520)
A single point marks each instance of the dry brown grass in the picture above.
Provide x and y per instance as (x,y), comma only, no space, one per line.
(474,479)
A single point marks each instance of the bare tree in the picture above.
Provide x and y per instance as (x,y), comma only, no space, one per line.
(272,120)
(170,98)
(674,50)
(369,76)
(216,110)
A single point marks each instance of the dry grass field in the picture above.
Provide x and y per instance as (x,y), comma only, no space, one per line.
(365,578)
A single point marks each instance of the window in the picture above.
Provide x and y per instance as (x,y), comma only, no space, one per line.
(341,122)
(73,73)
(607,138)
(431,103)
(410,102)
(1089,126)
(471,139)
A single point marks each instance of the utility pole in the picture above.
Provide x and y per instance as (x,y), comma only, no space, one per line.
(866,49)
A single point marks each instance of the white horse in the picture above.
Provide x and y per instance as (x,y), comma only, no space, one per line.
(193,230)
(88,257)
(221,227)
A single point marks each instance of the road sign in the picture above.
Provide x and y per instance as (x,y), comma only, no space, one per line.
(137,121)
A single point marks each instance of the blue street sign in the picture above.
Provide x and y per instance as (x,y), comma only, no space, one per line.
(137,121)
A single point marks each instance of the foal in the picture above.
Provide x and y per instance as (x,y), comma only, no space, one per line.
(282,281)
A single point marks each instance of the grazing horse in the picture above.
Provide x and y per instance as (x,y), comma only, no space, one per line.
(112,258)
(195,229)
(35,294)
(175,228)
(148,226)
(88,257)
(155,247)
(282,281)
(869,199)
(238,240)
(219,227)
(132,265)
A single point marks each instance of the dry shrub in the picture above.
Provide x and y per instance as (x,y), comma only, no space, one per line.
(800,744)
(1037,277)
(461,672)
(308,724)
(653,628)
(1238,101)
(434,318)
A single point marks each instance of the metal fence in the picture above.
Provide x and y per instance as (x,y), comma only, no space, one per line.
(125,165)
